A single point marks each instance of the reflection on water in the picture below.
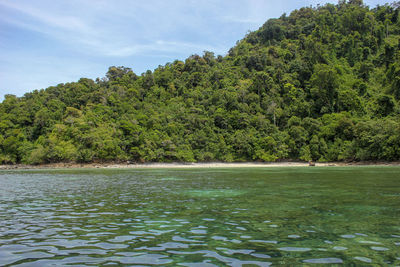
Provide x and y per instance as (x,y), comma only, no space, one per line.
(200,217)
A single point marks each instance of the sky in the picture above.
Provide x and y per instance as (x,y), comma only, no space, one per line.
(46,42)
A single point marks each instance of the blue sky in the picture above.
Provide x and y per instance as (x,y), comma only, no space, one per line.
(47,42)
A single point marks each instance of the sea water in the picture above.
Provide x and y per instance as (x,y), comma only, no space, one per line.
(201,217)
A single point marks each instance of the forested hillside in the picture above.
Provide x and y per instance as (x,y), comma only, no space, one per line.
(322,83)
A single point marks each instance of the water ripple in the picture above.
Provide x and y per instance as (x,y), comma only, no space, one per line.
(193,218)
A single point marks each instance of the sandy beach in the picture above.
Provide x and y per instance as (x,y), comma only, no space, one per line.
(180,165)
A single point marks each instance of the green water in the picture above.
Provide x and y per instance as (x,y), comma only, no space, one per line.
(201,217)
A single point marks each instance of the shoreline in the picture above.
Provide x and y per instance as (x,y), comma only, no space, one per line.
(180,165)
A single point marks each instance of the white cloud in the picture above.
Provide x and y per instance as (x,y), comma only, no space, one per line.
(241,20)
(107,30)
(55,21)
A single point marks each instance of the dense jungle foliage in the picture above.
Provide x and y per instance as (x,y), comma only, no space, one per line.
(322,83)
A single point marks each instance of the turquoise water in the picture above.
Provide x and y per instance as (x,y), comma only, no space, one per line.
(201,217)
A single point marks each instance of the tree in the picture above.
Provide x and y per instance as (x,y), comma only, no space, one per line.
(319,84)
(115,73)
(324,84)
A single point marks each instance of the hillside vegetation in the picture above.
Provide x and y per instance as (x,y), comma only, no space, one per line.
(322,83)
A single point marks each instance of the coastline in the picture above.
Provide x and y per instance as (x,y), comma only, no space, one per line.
(182,165)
